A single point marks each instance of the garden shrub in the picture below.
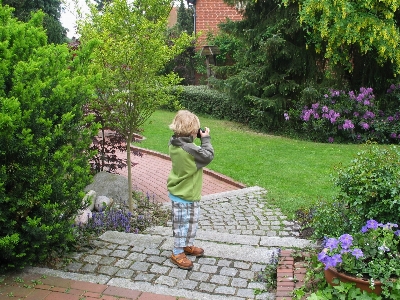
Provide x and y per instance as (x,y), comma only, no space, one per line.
(368,189)
(208,101)
(370,184)
(354,117)
(43,142)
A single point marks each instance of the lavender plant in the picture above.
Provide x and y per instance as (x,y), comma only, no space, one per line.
(148,213)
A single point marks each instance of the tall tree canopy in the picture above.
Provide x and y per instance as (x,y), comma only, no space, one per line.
(362,36)
(133,50)
(56,33)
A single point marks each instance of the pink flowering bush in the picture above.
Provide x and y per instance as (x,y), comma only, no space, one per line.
(372,254)
(353,116)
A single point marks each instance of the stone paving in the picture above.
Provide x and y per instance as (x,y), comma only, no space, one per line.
(238,232)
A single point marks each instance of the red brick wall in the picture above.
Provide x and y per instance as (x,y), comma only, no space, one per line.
(209,13)
(173,16)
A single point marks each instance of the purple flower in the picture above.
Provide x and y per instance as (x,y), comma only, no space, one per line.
(390,225)
(331,243)
(333,116)
(390,118)
(383,248)
(322,256)
(330,139)
(348,124)
(335,259)
(372,224)
(393,135)
(306,114)
(346,240)
(357,253)
(286,115)
(397,232)
(369,114)
(365,125)
(325,109)
(315,106)
(335,93)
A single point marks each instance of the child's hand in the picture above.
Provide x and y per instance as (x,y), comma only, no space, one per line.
(206,132)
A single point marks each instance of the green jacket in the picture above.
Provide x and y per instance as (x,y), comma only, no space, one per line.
(186,177)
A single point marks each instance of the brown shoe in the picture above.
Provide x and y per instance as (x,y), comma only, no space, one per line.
(195,251)
(182,261)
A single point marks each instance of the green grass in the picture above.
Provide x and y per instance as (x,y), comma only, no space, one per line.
(295,173)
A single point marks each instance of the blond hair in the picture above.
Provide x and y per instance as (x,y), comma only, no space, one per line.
(185,123)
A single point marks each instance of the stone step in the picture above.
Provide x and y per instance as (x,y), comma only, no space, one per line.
(247,253)
(239,239)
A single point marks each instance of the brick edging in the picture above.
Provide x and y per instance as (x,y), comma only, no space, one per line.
(206,171)
(290,274)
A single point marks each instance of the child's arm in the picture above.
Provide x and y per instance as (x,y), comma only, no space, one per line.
(204,154)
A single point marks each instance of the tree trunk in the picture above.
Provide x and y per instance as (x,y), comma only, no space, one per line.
(128,161)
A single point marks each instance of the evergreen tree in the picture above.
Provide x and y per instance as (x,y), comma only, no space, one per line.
(185,18)
(185,63)
(56,33)
(44,162)
(271,65)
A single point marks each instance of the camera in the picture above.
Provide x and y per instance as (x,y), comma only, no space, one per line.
(198,132)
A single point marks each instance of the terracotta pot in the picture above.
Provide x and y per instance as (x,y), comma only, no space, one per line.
(363,285)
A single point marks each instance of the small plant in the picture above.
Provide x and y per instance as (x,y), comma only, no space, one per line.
(316,287)
(268,275)
(372,254)
(333,218)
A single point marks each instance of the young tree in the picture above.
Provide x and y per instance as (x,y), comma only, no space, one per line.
(101,3)
(132,52)
(44,162)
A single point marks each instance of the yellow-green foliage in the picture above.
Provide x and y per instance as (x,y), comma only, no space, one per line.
(337,28)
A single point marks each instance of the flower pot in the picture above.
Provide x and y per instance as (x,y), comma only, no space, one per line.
(363,285)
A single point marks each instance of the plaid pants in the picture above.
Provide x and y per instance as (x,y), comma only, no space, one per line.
(185,218)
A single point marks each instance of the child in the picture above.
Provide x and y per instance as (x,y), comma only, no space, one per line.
(185,182)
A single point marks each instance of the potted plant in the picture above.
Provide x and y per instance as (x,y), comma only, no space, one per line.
(370,257)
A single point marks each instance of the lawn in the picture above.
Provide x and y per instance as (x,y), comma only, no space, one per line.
(295,173)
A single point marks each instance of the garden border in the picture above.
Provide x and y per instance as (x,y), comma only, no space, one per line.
(290,274)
